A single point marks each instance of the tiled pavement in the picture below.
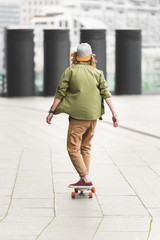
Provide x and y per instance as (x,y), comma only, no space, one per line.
(35,170)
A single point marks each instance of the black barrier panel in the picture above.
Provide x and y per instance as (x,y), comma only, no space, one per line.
(20,62)
(97,39)
(128,62)
(56,58)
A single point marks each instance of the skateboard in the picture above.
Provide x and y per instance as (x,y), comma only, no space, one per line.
(82,190)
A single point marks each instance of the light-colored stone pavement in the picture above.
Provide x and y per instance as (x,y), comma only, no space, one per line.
(35,170)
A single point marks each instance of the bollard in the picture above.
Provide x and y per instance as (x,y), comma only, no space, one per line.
(128,62)
(20,63)
(56,58)
(97,39)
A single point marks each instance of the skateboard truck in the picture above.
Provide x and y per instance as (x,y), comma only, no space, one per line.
(81,193)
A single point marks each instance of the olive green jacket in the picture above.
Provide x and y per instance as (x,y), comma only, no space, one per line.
(81,90)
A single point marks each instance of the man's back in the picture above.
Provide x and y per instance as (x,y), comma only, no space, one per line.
(81,88)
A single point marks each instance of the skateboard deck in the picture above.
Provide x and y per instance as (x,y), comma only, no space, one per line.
(79,191)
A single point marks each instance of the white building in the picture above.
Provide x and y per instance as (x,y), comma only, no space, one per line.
(29,8)
(111,15)
(60,17)
(116,14)
(9,14)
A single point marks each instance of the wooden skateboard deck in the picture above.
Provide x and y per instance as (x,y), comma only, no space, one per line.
(80,192)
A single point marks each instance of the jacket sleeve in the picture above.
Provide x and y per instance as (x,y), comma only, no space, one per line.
(64,84)
(103,86)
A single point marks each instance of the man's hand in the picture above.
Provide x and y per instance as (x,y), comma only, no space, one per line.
(49,117)
(115,121)
(56,102)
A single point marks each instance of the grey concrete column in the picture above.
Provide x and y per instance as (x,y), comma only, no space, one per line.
(56,58)
(20,64)
(128,62)
(97,39)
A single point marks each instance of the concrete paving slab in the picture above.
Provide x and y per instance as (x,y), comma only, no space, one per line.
(33,190)
(142,180)
(108,179)
(65,167)
(78,207)
(156,168)
(140,106)
(155,212)
(11,171)
(127,159)
(23,226)
(4,200)
(121,235)
(3,210)
(69,228)
(17,237)
(19,203)
(62,180)
(150,200)
(10,163)
(99,157)
(5,191)
(154,233)
(110,186)
(34,172)
(32,212)
(122,205)
(125,224)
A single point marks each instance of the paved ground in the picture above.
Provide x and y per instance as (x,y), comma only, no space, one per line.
(35,171)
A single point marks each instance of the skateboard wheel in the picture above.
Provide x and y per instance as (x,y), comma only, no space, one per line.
(93,189)
(76,190)
(90,195)
(73,194)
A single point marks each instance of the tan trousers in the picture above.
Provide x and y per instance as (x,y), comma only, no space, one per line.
(80,134)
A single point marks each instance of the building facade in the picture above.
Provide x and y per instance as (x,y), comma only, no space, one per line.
(29,9)
(116,14)
(111,15)
(9,14)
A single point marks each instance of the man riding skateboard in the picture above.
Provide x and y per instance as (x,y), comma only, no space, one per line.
(80,94)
